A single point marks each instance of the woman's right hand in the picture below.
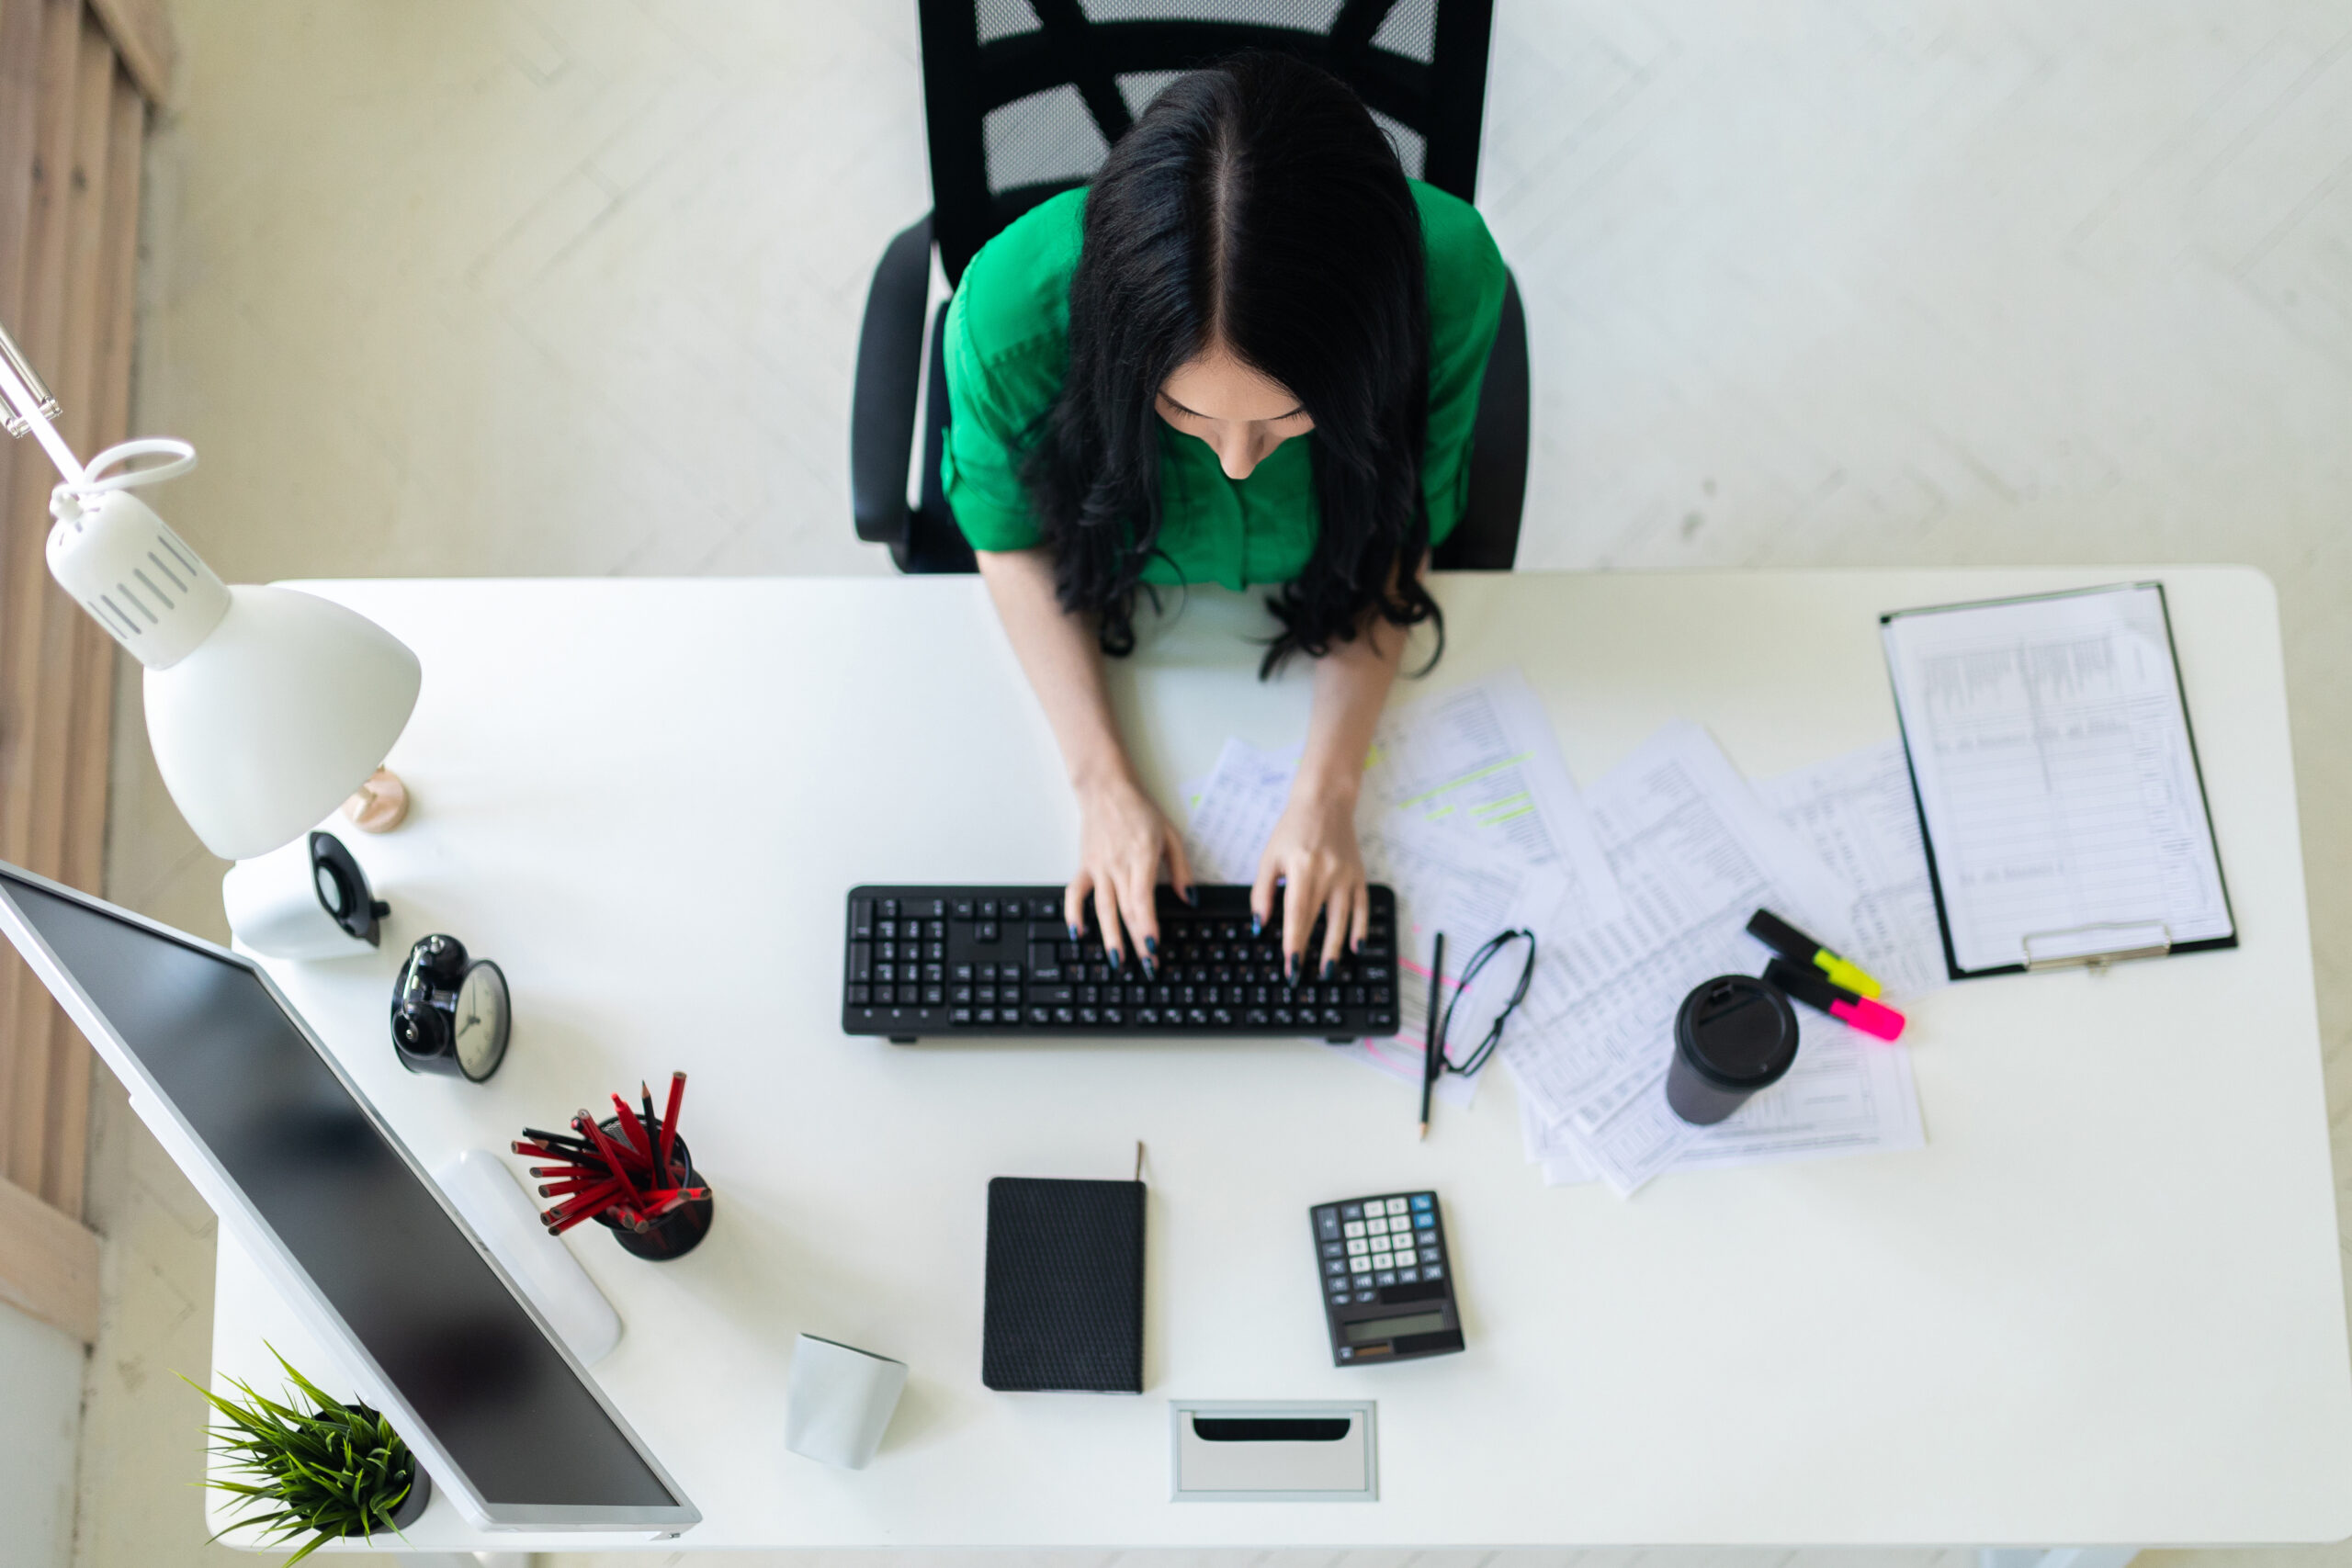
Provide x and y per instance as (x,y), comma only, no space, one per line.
(1122,837)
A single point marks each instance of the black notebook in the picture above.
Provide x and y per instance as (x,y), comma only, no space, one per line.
(1064,1311)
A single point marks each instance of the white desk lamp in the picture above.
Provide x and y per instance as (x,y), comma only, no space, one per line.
(266,707)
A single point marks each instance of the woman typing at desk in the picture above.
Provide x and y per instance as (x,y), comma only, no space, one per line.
(1249,353)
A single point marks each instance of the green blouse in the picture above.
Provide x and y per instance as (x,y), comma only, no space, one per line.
(1007,352)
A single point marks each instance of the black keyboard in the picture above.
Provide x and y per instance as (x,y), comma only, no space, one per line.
(997,961)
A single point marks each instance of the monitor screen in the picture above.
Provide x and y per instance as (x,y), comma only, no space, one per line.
(352,1213)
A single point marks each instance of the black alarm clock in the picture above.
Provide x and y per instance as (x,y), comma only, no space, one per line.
(449,1015)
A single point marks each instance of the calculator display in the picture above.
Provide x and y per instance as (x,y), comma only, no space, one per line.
(1390,1327)
(1386,1271)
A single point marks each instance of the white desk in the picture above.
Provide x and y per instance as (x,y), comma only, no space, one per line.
(2101,1305)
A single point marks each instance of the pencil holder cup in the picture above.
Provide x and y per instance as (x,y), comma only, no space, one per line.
(669,1236)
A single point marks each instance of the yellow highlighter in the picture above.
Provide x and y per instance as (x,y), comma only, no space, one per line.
(1798,948)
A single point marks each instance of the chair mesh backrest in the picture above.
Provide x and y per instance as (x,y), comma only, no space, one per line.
(1023,97)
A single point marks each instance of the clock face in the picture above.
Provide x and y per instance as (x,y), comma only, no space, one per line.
(481,1021)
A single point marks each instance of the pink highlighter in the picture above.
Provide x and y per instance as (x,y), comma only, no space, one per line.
(1813,988)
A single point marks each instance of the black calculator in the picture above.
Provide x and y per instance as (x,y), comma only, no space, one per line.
(1387,1278)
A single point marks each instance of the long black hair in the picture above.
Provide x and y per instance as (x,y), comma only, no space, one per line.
(1256,204)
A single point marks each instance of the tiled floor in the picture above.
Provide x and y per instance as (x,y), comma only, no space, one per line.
(555,286)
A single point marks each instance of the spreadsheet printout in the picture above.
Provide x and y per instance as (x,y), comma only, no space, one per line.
(2056,777)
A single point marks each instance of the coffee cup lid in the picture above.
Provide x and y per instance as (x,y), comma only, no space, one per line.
(1736,1031)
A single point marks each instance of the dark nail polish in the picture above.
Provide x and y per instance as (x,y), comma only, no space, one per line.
(1077,933)
(1329,969)
(1192,895)
(1117,958)
(1257,926)
(1294,968)
(1151,944)
(1150,970)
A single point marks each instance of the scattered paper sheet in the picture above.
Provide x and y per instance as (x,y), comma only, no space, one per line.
(1857,813)
(1696,855)
(1480,763)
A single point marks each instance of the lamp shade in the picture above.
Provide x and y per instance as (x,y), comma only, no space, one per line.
(276,717)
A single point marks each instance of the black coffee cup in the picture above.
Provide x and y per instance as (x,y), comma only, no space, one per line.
(1733,1035)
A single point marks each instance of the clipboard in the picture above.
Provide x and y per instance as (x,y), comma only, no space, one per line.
(2036,730)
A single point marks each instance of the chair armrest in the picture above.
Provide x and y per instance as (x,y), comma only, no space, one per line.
(889,379)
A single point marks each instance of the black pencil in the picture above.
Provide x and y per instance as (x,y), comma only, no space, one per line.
(1430,1061)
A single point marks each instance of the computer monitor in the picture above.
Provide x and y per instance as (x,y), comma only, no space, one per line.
(286,1148)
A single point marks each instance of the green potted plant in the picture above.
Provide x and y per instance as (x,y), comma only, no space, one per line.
(336,1470)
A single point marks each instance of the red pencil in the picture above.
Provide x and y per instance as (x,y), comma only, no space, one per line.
(670,1122)
(610,1150)
(640,1140)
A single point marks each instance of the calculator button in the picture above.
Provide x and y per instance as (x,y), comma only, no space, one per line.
(1351,1211)
(1404,1256)
(1355,1227)
(1365,1298)
(1357,1246)
(1425,1221)
(1335,1249)
(1335,1266)
(1376,1227)
(1385,1276)
(1380,1245)
(1360,1265)
(1431,1271)
(1407,1276)
(1423,1202)
(1395,1205)
(1327,1223)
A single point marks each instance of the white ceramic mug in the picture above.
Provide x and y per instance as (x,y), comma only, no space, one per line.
(838,1400)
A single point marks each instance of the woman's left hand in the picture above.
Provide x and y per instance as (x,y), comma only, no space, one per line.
(1313,852)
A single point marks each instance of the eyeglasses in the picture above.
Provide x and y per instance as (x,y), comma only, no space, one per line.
(1470,970)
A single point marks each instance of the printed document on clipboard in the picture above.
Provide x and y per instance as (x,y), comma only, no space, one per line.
(2057,780)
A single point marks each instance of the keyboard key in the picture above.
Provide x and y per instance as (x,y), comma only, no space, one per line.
(985,1015)
(933,995)
(960,1015)
(1039,1017)
(861,919)
(962,996)
(1115,1017)
(1257,1018)
(1148,1017)
(1009,973)
(860,995)
(988,911)
(1089,1015)
(964,910)
(1197,1017)
(1333,1018)
(1220,1018)
(860,962)
(986,932)
(889,908)
(1283,1017)
(1063,1015)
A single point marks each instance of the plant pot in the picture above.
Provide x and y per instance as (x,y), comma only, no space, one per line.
(419,1498)
(669,1236)
(420,1486)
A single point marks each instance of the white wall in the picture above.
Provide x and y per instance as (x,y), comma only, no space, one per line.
(40,1425)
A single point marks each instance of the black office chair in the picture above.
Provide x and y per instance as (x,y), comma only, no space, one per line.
(1024,98)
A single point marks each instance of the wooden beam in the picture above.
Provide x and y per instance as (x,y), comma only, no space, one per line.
(20,61)
(64,1173)
(26,592)
(141,34)
(48,1264)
